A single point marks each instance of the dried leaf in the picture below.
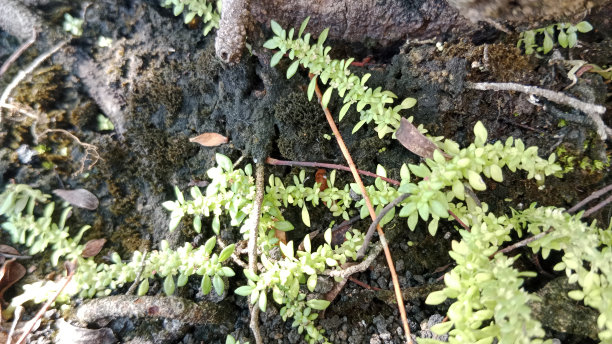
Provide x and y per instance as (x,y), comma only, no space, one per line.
(10,273)
(321,178)
(79,198)
(93,247)
(281,236)
(209,139)
(411,138)
(68,333)
(8,250)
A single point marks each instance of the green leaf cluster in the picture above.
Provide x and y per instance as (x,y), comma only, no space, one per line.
(374,105)
(285,277)
(209,11)
(39,232)
(489,301)
(567,37)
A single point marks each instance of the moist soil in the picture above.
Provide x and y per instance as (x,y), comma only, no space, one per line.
(171,86)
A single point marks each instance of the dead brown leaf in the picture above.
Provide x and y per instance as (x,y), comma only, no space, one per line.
(93,247)
(79,198)
(10,273)
(209,139)
(411,138)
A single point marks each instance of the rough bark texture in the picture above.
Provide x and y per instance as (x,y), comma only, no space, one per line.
(525,12)
(232,30)
(18,20)
(371,22)
(170,307)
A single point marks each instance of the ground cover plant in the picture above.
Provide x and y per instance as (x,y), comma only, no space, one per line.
(242,233)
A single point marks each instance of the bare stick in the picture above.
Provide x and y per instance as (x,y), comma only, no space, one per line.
(71,269)
(16,256)
(137,280)
(15,55)
(17,314)
(593,196)
(597,207)
(23,73)
(353,269)
(253,227)
(521,243)
(383,240)
(592,110)
(272,161)
(370,233)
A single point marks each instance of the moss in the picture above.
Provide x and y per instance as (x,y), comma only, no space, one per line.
(302,126)
(156,92)
(42,87)
(502,62)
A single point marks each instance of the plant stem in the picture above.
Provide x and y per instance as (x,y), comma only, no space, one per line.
(349,160)
(593,196)
(253,226)
(272,161)
(383,212)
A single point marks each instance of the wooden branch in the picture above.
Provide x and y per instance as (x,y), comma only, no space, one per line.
(594,111)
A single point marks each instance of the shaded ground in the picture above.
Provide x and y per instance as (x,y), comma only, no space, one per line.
(172,87)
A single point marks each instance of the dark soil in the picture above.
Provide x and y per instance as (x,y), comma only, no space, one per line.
(170,86)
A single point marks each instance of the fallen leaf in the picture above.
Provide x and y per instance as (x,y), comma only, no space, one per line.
(10,273)
(8,250)
(281,236)
(79,198)
(69,334)
(411,138)
(93,247)
(321,178)
(209,139)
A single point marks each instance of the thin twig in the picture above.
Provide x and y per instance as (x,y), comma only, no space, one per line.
(349,160)
(23,73)
(17,315)
(353,269)
(594,111)
(593,196)
(521,243)
(137,280)
(272,161)
(71,269)
(370,233)
(597,207)
(15,55)
(363,285)
(16,256)
(252,226)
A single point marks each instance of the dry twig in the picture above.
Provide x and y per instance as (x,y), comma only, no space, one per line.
(253,227)
(137,280)
(15,55)
(592,110)
(349,159)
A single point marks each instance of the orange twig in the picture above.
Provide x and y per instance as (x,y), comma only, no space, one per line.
(381,234)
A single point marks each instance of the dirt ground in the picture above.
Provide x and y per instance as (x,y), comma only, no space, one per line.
(170,86)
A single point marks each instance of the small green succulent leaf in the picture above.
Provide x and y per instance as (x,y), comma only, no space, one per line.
(218,284)
(318,305)
(169,285)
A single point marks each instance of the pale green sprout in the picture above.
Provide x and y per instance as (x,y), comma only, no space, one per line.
(567,37)
(72,25)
